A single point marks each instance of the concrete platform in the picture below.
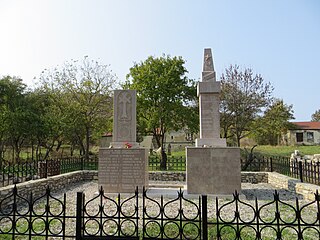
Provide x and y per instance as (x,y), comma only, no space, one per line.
(171,192)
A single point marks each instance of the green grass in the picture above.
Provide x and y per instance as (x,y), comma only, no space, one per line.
(179,154)
(22,227)
(171,229)
(190,231)
(285,151)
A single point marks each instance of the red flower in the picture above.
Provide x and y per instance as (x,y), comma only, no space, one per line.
(128,145)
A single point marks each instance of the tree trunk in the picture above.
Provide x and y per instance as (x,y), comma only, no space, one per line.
(58,145)
(71,149)
(32,150)
(82,148)
(163,162)
(87,143)
(17,150)
(163,157)
(238,141)
(157,140)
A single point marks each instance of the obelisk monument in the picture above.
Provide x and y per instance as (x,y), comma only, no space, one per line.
(212,167)
(209,99)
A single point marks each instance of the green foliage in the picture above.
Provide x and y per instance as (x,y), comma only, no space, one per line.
(166,98)
(243,95)
(315,117)
(269,128)
(16,114)
(80,97)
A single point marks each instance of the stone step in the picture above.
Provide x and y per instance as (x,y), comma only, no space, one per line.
(175,186)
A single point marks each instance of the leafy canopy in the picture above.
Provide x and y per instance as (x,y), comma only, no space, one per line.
(269,128)
(166,98)
(80,92)
(315,117)
(243,96)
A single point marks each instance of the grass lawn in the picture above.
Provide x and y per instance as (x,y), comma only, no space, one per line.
(284,151)
(179,154)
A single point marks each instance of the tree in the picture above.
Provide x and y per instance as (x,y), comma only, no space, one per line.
(16,114)
(315,117)
(48,129)
(166,98)
(243,95)
(81,92)
(269,128)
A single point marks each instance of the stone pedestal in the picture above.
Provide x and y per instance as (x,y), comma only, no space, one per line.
(121,170)
(213,170)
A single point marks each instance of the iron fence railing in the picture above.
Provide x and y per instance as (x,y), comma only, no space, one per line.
(17,172)
(139,216)
(305,170)
(173,163)
(12,173)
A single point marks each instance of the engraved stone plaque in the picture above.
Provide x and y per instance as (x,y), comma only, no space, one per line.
(124,121)
(123,168)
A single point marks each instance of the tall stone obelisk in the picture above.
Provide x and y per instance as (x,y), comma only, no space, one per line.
(212,167)
(209,100)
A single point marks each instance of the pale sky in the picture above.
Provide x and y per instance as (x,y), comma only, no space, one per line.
(280,39)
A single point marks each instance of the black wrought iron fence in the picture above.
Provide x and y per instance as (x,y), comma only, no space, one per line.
(275,219)
(17,172)
(139,216)
(11,173)
(29,217)
(173,163)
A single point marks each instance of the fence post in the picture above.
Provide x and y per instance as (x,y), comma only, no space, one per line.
(79,215)
(271,165)
(300,171)
(204,217)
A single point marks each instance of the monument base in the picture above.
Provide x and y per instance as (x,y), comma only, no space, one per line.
(121,170)
(213,170)
(211,142)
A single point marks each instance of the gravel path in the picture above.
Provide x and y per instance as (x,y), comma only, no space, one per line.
(261,191)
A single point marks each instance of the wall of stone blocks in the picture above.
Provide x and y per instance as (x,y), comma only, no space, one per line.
(307,190)
(38,187)
(167,176)
(254,177)
(62,181)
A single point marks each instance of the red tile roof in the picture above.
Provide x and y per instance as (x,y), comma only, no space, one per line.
(307,125)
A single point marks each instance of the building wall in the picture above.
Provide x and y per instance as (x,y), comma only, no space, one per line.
(292,137)
(179,140)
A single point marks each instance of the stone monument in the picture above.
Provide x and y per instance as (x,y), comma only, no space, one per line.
(209,99)
(212,167)
(123,166)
